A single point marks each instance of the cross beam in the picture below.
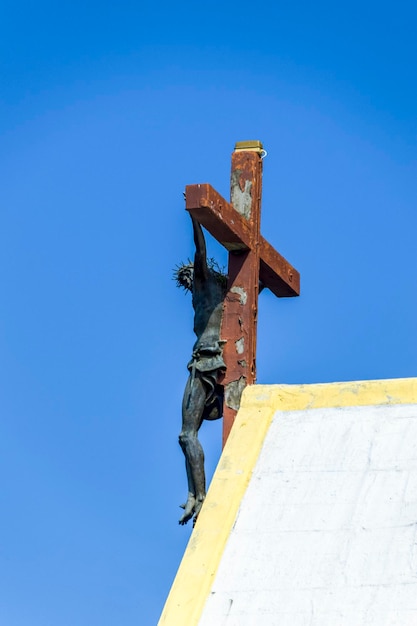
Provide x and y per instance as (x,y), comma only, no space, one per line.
(233,232)
(236,225)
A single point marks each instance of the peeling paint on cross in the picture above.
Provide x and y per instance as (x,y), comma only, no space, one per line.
(252,260)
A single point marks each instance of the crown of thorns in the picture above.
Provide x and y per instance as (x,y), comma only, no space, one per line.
(184,273)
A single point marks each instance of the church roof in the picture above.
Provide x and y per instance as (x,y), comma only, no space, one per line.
(311,516)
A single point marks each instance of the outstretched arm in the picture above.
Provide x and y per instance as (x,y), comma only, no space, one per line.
(200,257)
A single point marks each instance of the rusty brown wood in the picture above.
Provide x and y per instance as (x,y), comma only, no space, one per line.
(276,273)
(236,225)
(218,217)
(233,231)
(241,304)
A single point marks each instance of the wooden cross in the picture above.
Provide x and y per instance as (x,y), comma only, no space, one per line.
(251,260)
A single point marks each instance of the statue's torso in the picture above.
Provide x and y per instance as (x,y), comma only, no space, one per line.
(208,308)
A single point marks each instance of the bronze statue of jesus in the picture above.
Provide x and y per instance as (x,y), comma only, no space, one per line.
(203,396)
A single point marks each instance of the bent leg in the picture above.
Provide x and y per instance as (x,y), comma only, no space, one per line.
(192,417)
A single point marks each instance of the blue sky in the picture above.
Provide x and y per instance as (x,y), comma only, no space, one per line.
(106,112)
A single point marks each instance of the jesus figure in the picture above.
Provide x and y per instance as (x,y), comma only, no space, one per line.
(203,395)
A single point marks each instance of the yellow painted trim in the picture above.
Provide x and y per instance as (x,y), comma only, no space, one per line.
(199,565)
(361,393)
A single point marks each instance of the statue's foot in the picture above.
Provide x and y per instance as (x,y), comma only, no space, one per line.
(188,509)
(191,509)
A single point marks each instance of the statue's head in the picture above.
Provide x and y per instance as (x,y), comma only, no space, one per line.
(183,275)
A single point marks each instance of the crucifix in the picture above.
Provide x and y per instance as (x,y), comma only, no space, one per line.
(252,261)
(225,308)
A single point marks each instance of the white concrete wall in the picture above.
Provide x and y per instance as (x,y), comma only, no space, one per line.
(326,533)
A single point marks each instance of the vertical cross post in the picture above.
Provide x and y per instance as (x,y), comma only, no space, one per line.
(236,225)
(241,303)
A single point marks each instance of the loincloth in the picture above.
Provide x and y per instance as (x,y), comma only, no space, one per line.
(207,364)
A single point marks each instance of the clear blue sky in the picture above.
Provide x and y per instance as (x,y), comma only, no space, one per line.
(106,112)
